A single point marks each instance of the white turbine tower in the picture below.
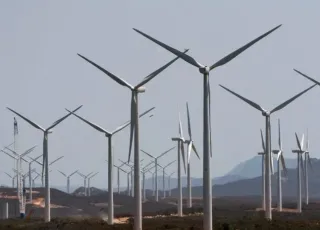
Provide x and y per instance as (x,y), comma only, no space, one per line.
(144,171)
(30,177)
(118,175)
(68,179)
(89,179)
(134,130)
(207,147)
(169,183)
(46,132)
(156,168)
(19,157)
(307,162)
(85,177)
(191,147)
(280,165)
(267,114)
(163,177)
(181,142)
(299,153)
(109,136)
(263,173)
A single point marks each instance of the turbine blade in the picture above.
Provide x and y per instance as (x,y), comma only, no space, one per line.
(235,53)
(279,140)
(262,141)
(279,154)
(302,141)
(155,73)
(62,173)
(253,104)
(189,123)
(63,118)
(283,165)
(45,136)
(93,125)
(114,77)
(128,122)
(309,162)
(195,150)
(284,104)
(56,160)
(183,155)
(132,124)
(147,153)
(298,142)
(8,174)
(28,151)
(180,127)
(165,152)
(302,166)
(189,151)
(183,56)
(311,79)
(27,120)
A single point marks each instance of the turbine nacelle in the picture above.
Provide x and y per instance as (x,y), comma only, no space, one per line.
(265,113)
(141,89)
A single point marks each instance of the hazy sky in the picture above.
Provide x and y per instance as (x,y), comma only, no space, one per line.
(41,75)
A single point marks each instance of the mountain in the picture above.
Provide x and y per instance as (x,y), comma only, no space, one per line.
(252,168)
(252,186)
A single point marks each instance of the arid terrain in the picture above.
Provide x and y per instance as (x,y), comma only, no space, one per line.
(78,212)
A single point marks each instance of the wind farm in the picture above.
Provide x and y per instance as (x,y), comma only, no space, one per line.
(138,138)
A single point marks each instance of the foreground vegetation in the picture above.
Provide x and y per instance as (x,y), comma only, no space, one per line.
(189,222)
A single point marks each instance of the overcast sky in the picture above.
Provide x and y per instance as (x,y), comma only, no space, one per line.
(41,75)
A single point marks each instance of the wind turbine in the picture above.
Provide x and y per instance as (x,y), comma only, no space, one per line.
(51,163)
(12,177)
(307,162)
(181,142)
(144,171)
(109,136)
(89,178)
(34,179)
(30,178)
(131,176)
(207,189)
(68,179)
(169,183)
(118,175)
(191,146)
(45,164)
(18,157)
(280,163)
(134,130)
(156,168)
(267,114)
(300,153)
(163,177)
(85,177)
(263,174)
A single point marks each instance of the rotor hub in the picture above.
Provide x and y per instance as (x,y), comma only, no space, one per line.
(266,113)
(204,70)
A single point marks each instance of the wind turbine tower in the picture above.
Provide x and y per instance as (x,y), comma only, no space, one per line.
(68,179)
(45,164)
